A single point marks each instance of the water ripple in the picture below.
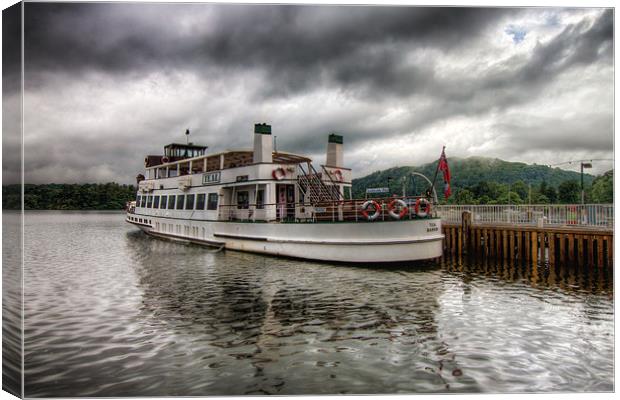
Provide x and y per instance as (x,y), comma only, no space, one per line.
(111,312)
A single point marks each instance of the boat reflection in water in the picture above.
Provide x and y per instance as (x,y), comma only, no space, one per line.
(236,323)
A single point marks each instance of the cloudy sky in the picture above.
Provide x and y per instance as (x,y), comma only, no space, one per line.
(106,84)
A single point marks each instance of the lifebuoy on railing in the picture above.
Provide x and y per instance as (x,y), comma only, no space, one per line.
(165,159)
(426,206)
(338,175)
(392,207)
(375,205)
(278,174)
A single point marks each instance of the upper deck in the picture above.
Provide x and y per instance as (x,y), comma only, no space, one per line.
(215,162)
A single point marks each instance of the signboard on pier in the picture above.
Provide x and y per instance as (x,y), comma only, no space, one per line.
(377,190)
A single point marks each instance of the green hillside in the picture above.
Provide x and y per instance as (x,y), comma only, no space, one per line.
(481,176)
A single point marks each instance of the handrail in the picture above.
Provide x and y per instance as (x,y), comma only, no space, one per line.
(588,215)
(332,181)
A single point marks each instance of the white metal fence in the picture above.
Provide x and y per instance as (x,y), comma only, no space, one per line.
(593,215)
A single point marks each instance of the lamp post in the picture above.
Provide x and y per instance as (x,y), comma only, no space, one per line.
(583,165)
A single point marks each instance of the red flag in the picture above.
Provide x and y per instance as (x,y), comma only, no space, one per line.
(443,167)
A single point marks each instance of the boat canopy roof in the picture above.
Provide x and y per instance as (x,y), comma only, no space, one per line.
(232,158)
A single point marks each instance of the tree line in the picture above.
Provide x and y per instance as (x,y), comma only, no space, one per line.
(567,192)
(53,196)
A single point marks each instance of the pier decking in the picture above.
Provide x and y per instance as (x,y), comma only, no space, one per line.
(585,238)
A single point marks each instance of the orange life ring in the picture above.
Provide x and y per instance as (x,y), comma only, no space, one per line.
(278,174)
(338,174)
(403,209)
(427,207)
(375,205)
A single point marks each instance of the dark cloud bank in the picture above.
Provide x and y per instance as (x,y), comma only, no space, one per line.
(223,66)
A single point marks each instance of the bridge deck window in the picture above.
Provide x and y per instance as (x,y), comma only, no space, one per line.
(171,200)
(164,201)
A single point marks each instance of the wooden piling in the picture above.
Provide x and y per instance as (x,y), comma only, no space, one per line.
(534,237)
(554,245)
(562,243)
(610,250)
(571,247)
(498,243)
(527,246)
(551,243)
(590,251)
(579,249)
(599,251)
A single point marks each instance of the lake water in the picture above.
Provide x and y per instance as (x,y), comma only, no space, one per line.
(112,312)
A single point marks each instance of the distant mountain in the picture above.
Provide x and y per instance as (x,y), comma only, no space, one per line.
(467,172)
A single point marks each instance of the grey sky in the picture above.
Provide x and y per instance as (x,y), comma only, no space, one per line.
(106,84)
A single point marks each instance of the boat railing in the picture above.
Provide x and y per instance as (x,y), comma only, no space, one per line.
(328,211)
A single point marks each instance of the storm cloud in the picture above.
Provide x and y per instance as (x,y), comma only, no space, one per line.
(107,83)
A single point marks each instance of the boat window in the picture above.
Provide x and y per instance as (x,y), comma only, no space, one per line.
(180,201)
(184,169)
(243,199)
(172,171)
(171,199)
(149,201)
(143,202)
(189,204)
(164,201)
(156,202)
(138,201)
(212,203)
(260,199)
(200,201)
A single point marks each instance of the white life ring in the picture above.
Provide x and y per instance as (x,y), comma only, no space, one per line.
(426,208)
(403,209)
(278,174)
(375,205)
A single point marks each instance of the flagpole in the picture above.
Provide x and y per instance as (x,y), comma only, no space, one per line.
(437,170)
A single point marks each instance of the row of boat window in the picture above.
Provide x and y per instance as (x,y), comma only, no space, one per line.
(179,202)
(136,219)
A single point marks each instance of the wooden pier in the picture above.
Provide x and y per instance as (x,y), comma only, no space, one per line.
(584,246)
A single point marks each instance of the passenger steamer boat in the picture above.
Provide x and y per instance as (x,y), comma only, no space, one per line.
(278,203)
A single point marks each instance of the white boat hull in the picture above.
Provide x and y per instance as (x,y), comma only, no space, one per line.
(365,242)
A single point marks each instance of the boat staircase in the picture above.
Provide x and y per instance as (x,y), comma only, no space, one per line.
(313,188)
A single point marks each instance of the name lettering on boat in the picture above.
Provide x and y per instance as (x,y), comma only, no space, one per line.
(242,178)
(210,178)
(432,227)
